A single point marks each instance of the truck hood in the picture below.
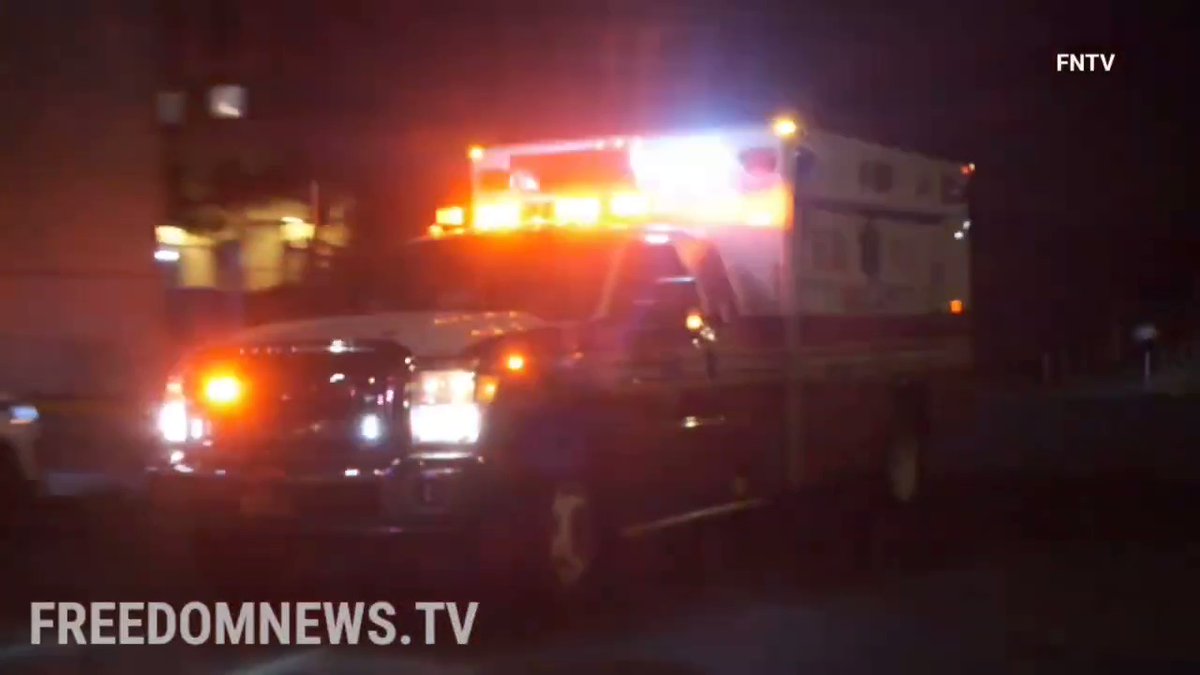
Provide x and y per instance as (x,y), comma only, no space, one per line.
(422,333)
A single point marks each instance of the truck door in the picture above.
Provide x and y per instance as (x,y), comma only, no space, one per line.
(744,389)
(650,300)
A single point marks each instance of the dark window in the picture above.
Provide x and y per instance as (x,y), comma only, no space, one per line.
(550,276)
(171,107)
(884,177)
(924,185)
(716,284)
(953,189)
(865,175)
(876,176)
(642,266)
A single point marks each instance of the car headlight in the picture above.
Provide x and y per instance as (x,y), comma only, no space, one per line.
(445,406)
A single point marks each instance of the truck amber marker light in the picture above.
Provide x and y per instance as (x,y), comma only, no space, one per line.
(784,127)
(515,362)
(223,390)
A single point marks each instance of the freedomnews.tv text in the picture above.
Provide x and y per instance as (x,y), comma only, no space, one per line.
(248,623)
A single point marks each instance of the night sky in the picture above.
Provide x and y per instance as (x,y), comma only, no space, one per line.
(1079,213)
(1081,222)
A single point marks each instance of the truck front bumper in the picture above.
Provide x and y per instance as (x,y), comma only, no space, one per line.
(413,495)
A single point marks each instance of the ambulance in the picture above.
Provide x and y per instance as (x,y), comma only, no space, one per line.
(616,335)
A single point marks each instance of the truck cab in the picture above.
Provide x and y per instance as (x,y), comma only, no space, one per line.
(496,366)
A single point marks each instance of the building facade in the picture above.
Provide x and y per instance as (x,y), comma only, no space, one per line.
(81,303)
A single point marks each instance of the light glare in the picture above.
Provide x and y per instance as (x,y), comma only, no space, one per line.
(784,127)
(172,421)
(370,427)
(223,390)
(445,423)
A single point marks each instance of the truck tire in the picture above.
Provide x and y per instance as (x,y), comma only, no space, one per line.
(548,548)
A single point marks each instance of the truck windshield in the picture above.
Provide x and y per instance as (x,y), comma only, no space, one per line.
(554,277)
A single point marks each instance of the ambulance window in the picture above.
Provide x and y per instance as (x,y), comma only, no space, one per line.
(716,285)
(924,185)
(641,266)
(953,189)
(884,177)
(876,176)
(839,254)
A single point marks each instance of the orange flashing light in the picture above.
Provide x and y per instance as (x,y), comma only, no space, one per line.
(223,390)
(515,363)
(453,216)
(784,127)
(694,321)
(497,216)
(475,153)
(486,388)
(956,306)
(436,231)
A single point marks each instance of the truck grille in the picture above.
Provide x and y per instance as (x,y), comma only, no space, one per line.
(302,403)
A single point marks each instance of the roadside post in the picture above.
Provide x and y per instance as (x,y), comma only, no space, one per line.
(1146,334)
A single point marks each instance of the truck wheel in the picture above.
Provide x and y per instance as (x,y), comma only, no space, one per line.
(573,539)
(549,546)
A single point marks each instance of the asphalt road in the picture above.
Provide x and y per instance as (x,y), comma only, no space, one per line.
(999,577)
(1080,561)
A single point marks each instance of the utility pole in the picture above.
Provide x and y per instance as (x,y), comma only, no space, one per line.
(314,207)
(791,292)
(238,275)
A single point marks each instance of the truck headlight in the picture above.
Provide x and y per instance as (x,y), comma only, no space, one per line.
(370,428)
(444,408)
(173,421)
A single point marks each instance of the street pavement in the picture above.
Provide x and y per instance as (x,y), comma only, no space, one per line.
(995,578)
(1059,537)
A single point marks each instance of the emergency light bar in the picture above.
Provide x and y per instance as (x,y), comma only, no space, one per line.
(722,177)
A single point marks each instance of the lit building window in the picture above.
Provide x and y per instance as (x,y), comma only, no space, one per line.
(227,101)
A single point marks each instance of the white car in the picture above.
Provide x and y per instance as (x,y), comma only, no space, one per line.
(18,464)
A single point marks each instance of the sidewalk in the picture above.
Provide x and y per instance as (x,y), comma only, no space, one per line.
(1178,379)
